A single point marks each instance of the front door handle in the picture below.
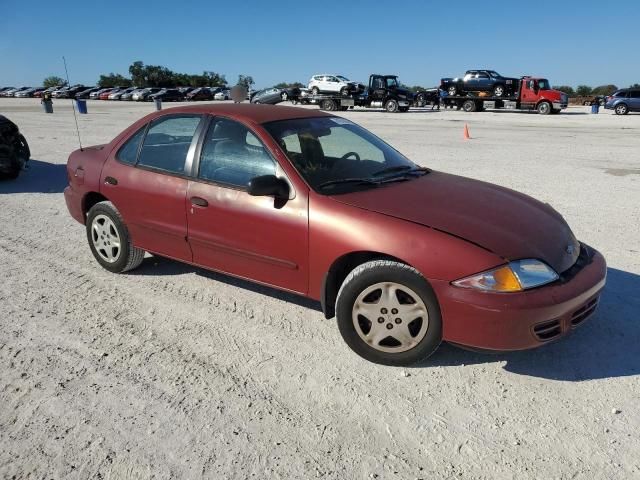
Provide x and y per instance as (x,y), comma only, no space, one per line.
(110,180)
(200,202)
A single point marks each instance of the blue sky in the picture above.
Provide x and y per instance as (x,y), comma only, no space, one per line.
(570,42)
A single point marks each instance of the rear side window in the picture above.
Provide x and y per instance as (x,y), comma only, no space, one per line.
(167,142)
(231,154)
(621,94)
(634,94)
(128,153)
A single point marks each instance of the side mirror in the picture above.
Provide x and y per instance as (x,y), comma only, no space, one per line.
(268,185)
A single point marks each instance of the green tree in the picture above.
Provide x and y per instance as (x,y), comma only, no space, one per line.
(635,85)
(604,90)
(417,88)
(113,80)
(137,72)
(246,81)
(566,89)
(583,90)
(53,81)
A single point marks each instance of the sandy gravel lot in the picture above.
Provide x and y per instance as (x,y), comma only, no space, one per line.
(175,372)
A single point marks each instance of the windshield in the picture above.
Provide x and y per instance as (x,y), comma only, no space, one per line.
(335,155)
(392,82)
(344,79)
(543,84)
(493,73)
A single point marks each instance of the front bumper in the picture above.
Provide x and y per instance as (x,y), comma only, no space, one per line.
(560,105)
(404,103)
(519,321)
(74,204)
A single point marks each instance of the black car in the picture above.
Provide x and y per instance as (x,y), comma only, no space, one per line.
(168,95)
(14,150)
(71,92)
(202,93)
(84,94)
(480,81)
(271,96)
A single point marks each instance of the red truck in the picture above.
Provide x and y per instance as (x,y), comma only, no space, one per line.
(532,93)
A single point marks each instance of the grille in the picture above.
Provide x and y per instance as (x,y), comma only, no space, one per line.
(547,330)
(583,312)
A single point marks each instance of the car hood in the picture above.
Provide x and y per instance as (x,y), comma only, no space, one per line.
(505,222)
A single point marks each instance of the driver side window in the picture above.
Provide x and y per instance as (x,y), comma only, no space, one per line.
(233,155)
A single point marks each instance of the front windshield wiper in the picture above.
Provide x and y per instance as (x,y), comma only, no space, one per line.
(400,169)
(338,181)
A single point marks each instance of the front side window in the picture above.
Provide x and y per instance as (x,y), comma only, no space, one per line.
(392,82)
(543,84)
(333,154)
(128,153)
(167,143)
(233,155)
(634,94)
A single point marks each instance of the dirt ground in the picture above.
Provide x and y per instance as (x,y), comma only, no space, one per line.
(175,372)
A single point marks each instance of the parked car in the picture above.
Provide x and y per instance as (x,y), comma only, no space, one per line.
(5,89)
(13,91)
(69,92)
(404,256)
(624,101)
(333,84)
(222,95)
(201,93)
(117,94)
(28,93)
(96,95)
(426,97)
(105,94)
(128,96)
(270,96)
(86,93)
(168,95)
(185,90)
(46,91)
(14,149)
(144,95)
(480,81)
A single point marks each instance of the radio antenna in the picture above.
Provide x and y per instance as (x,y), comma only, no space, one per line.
(73,107)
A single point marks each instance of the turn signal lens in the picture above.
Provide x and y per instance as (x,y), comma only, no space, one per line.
(516,276)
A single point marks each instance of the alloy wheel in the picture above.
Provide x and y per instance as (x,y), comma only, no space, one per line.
(106,239)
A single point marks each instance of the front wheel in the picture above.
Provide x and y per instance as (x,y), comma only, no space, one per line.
(544,108)
(452,90)
(388,313)
(498,91)
(109,239)
(391,106)
(315,90)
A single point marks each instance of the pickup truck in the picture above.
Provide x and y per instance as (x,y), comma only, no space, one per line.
(383,91)
(480,81)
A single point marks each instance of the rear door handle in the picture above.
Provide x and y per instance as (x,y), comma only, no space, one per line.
(200,202)
(110,180)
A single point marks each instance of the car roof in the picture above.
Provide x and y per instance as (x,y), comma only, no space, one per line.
(249,112)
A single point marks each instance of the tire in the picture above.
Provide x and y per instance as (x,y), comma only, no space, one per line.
(544,108)
(328,105)
(407,341)
(344,109)
(105,227)
(421,100)
(284,96)
(555,111)
(498,91)
(315,90)
(391,106)
(621,109)
(8,156)
(345,91)
(404,109)
(469,106)
(452,90)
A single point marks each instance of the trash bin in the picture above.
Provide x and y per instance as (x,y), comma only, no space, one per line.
(595,108)
(47,106)
(82,106)
(158,103)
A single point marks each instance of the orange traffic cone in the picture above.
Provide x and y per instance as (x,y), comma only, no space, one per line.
(465,133)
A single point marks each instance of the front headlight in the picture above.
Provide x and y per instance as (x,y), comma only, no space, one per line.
(516,276)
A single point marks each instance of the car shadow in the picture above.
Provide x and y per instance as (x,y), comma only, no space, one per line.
(157,265)
(38,177)
(607,345)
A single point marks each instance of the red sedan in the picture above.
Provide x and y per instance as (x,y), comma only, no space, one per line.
(403,256)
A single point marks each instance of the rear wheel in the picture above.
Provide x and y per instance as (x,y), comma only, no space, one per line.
(621,109)
(388,313)
(109,239)
(544,108)
(391,106)
(469,106)
(328,105)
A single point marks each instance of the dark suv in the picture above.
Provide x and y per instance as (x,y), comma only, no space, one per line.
(624,101)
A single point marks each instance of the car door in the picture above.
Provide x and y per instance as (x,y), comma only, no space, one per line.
(258,238)
(146,180)
(483,82)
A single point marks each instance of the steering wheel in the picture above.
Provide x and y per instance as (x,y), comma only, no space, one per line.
(349,154)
